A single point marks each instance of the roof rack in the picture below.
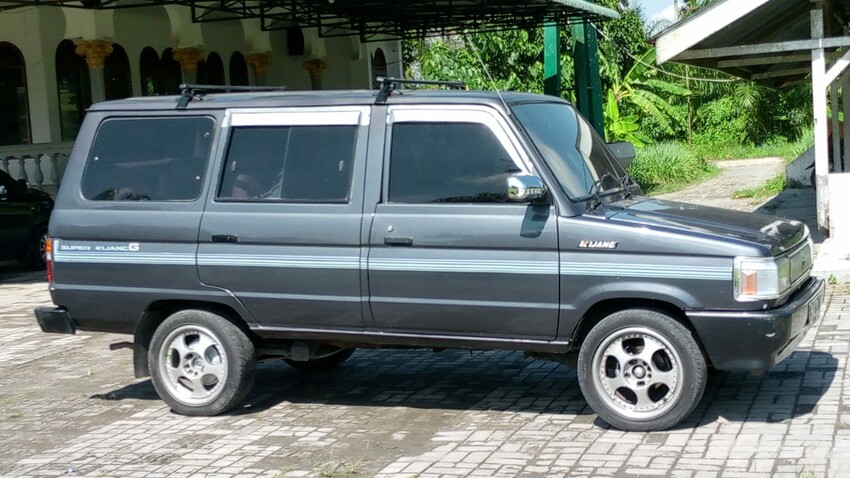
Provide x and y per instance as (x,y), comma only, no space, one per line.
(188,92)
(388,85)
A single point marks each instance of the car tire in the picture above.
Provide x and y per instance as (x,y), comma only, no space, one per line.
(201,364)
(35,257)
(641,370)
(322,364)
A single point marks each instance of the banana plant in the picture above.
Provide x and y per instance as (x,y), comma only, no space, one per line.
(622,128)
(643,89)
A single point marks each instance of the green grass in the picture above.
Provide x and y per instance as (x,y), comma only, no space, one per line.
(771,188)
(667,167)
(776,148)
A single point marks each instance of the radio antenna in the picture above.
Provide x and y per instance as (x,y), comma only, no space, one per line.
(487,72)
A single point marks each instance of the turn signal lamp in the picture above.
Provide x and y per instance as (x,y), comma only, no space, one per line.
(48,259)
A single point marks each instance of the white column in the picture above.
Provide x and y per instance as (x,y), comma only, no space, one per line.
(819,104)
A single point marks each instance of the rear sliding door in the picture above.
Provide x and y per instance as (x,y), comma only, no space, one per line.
(282,230)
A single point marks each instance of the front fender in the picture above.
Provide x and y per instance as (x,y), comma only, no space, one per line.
(622,294)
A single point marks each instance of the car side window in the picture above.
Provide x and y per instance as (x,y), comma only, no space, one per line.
(148,159)
(290,163)
(443,162)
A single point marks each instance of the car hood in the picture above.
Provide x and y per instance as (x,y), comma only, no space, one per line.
(777,234)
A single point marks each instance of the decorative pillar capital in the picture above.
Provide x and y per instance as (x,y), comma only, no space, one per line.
(259,62)
(94,51)
(315,67)
(188,58)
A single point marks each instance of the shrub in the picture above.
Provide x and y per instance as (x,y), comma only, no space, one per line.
(666,166)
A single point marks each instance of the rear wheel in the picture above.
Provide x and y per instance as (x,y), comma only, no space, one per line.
(201,363)
(641,370)
(324,363)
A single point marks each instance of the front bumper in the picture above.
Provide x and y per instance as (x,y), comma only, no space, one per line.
(758,340)
(55,320)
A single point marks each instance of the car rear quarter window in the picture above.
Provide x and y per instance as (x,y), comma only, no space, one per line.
(290,164)
(148,159)
(448,163)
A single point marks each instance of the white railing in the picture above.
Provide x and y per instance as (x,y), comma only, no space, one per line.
(42,165)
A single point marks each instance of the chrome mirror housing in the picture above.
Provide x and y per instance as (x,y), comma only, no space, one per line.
(525,188)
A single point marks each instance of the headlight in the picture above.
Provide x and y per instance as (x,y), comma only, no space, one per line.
(761,278)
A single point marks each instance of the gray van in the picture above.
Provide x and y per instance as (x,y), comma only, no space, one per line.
(220,229)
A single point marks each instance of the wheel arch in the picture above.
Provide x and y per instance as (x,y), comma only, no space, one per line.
(156,313)
(606,307)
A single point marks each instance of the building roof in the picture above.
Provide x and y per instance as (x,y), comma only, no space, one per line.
(371,19)
(766,41)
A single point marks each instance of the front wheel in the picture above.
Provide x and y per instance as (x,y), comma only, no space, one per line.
(641,370)
(201,363)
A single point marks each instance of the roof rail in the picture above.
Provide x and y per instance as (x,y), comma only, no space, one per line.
(188,92)
(388,85)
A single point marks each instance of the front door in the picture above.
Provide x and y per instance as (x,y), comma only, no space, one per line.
(449,255)
(283,230)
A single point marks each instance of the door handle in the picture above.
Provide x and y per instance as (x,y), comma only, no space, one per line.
(225,238)
(398,241)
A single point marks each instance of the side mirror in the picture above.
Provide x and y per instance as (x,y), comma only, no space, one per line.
(623,151)
(3,192)
(525,188)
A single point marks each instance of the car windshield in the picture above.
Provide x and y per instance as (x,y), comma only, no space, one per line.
(576,154)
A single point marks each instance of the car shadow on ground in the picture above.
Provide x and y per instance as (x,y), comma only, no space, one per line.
(13,272)
(504,381)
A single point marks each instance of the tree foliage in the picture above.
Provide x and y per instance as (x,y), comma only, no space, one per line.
(642,102)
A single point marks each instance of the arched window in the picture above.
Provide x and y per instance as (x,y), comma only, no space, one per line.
(201,75)
(238,70)
(172,75)
(14,104)
(379,66)
(295,41)
(149,72)
(215,69)
(74,88)
(116,74)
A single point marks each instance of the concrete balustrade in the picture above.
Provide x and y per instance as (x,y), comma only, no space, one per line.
(42,165)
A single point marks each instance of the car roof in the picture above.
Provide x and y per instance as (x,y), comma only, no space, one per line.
(272,99)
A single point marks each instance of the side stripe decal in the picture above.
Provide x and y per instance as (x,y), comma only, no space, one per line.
(125,258)
(481,266)
(295,262)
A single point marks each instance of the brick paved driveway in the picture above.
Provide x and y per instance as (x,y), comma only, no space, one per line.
(69,406)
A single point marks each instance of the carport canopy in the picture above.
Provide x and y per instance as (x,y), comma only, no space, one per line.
(371,19)
(775,43)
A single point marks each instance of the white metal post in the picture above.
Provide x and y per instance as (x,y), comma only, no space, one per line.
(819,104)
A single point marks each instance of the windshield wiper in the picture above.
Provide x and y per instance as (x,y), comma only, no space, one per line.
(595,190)
(626,182)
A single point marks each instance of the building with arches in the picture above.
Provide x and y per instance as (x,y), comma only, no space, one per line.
(57,57)
(56,61)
